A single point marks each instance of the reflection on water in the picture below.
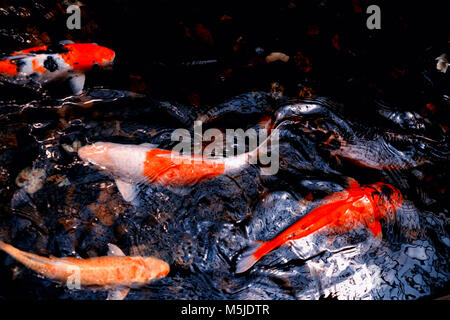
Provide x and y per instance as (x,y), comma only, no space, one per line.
(53,203)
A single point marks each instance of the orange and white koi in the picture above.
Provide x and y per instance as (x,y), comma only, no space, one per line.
(132,165)
(65,60)
(115,272)
(353,208)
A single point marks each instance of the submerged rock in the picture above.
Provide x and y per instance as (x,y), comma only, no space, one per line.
(31,179)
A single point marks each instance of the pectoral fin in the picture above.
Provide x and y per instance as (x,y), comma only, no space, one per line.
(118,293)
(77,83)
(127,190)
(375,227)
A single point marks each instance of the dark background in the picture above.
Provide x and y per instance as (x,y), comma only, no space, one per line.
(200,53)
(332,52)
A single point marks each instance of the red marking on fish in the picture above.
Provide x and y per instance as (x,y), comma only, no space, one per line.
(8,68)
(82,56)
(166,167)
(341,213)
(37,67)
(30,50)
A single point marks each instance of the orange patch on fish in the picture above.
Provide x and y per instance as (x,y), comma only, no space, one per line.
(8,67)
(178,170)
(30,50)
(37,67)
(82,56)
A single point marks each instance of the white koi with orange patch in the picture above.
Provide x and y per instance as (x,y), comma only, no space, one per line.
(131,165)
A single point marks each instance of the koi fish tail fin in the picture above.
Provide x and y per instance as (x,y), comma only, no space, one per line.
(6,247)
(9,249)
(255,252)
(265,155)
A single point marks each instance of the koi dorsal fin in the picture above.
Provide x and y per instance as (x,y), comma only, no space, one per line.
(64,42)
(114,250)
(149,145)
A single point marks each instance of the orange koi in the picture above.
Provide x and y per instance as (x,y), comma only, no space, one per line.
(341,212)
(115,272)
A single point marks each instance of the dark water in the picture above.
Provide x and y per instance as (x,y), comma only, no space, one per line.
(76,211)
(51,203)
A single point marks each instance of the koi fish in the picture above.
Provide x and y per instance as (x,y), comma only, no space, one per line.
(388,151)
(368,147)
(115,272)
(66,60)
(131,165)
(377,154)
(342,212)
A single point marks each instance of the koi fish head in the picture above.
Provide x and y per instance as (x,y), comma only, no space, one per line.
(388,198)
(96,153)
(85,56)
(155,269)
(121,160)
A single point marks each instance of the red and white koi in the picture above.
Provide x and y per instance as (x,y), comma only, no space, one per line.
(132,165)
(65,60)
